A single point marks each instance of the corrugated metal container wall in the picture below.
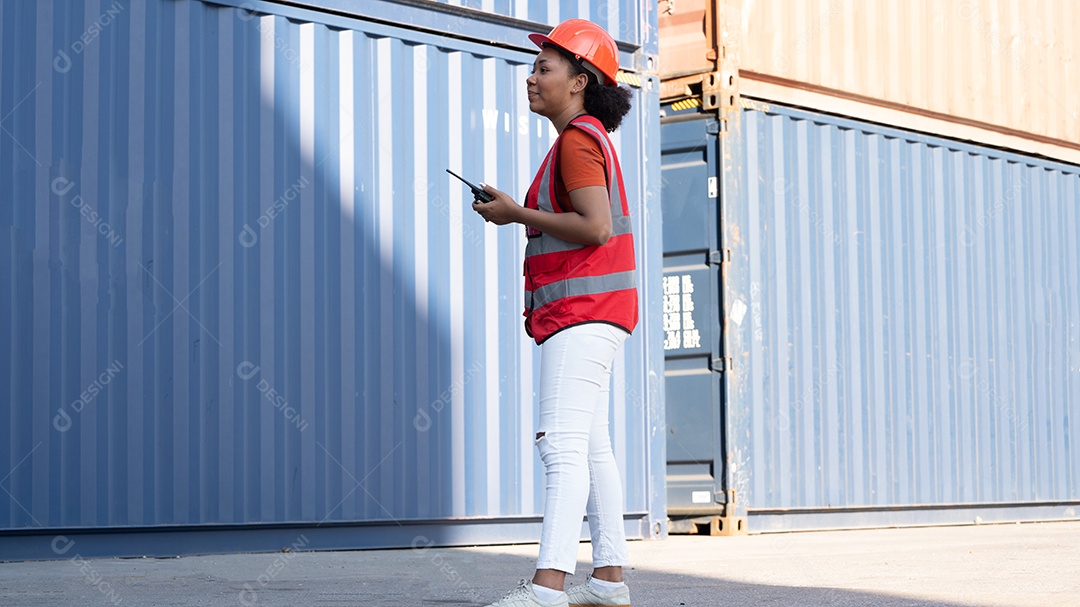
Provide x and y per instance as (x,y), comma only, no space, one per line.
(633,23)
(904,317)
(625,20)
(239,287)
(999,62)
(989,71)
(612,14)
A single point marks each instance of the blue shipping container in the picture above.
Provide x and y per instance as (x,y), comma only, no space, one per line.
(897,335)
(243,302)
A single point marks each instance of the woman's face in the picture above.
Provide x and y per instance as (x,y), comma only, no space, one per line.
(550,86)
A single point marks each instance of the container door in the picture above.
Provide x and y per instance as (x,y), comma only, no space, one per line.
(692,342)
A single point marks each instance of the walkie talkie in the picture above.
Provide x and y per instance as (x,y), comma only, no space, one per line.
(479,195)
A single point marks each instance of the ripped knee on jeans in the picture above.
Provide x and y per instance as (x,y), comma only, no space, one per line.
(544,446)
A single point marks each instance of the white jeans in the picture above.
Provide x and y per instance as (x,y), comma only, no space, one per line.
(575,373)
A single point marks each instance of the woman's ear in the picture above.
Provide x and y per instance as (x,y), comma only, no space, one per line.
(580,82)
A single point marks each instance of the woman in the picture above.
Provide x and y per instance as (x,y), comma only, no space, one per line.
(580,306)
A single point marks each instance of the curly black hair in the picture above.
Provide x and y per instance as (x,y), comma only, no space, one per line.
(608,104)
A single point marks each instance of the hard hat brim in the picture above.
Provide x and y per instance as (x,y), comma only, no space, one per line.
(540,40)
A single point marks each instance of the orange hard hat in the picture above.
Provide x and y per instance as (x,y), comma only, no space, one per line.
(585,40)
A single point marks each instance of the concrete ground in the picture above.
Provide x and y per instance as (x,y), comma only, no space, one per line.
(1028,565)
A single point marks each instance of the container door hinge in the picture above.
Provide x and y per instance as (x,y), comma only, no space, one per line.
(718,257)
(712,127)
(720,364)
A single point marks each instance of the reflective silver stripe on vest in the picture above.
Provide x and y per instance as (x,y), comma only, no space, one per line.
(549,244)
(582,285)
(543,200)
(614,183)
(620,222)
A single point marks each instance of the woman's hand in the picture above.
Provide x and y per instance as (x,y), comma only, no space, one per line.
(501,210)
(589,223)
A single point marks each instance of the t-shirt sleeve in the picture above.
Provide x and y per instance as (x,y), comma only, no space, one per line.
(581,163)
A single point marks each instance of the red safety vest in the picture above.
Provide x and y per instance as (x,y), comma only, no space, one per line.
(566,283)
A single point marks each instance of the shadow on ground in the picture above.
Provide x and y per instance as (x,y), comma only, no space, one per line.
(399,578)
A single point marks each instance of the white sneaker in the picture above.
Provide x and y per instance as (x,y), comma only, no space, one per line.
(523,596)
(585,594)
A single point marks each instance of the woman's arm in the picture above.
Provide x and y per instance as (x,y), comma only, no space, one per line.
(589,223)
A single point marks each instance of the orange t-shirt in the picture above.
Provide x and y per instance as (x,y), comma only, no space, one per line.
(581,164)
